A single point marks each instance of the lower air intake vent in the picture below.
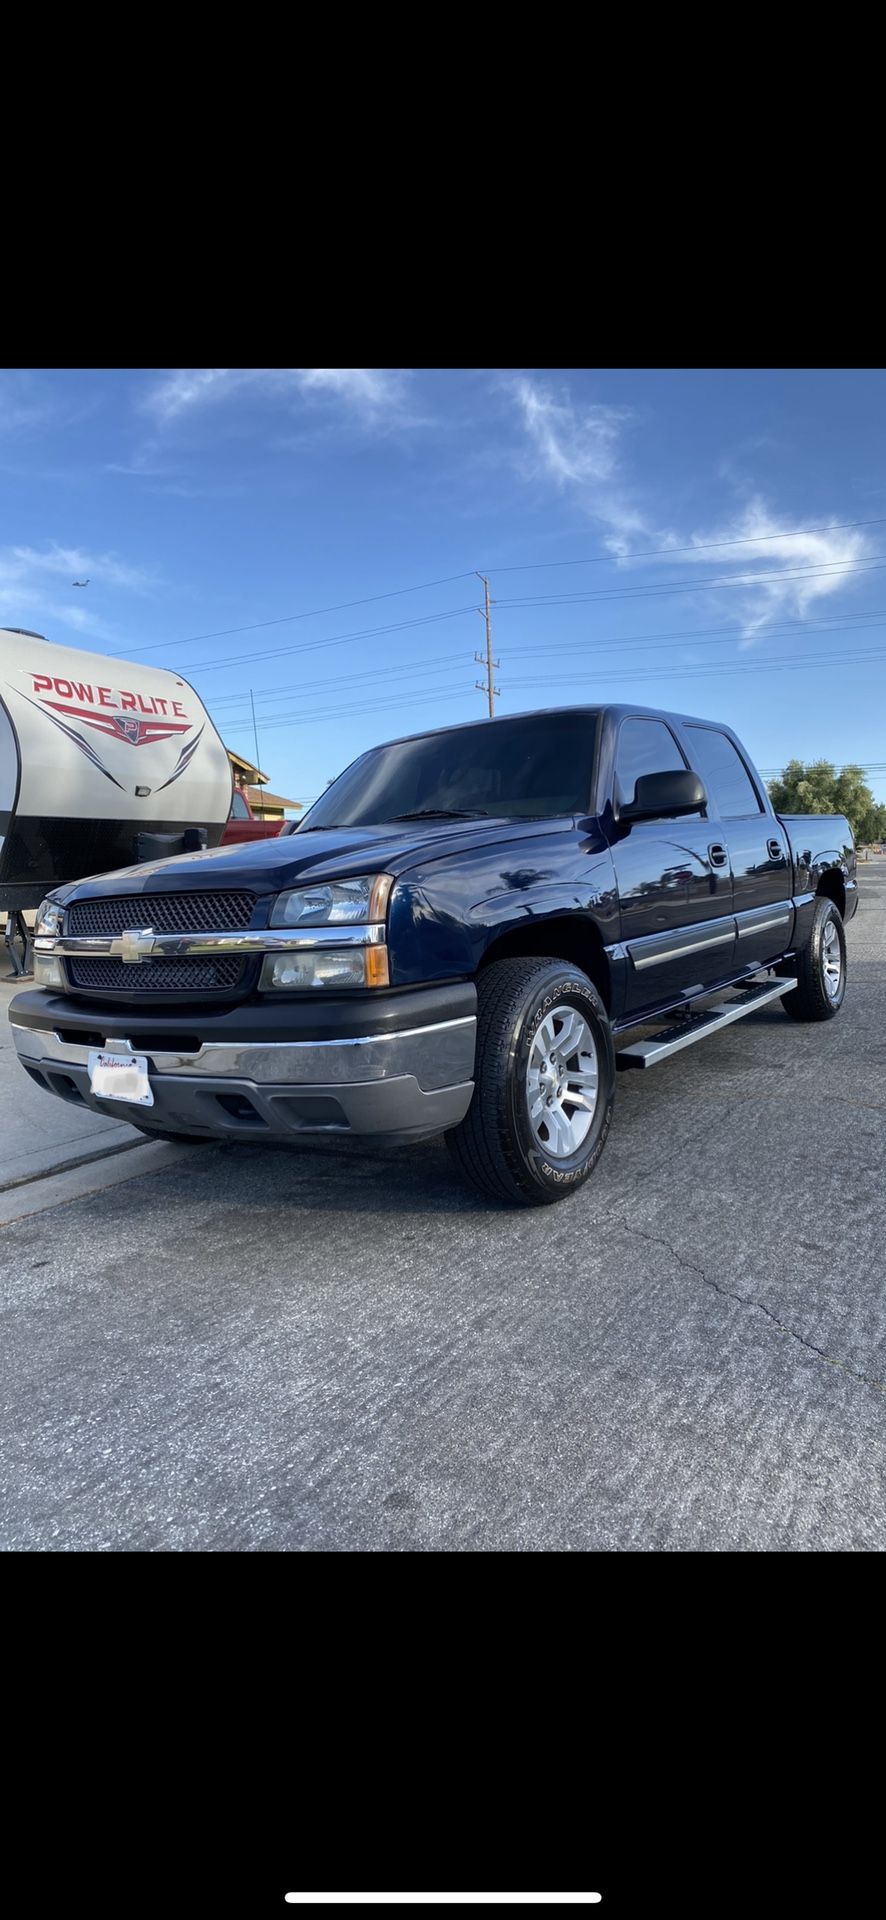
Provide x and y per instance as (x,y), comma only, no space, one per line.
(156,976)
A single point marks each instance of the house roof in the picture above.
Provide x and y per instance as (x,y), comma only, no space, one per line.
(259,797)
(248,766)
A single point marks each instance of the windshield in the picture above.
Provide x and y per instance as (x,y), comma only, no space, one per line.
(537,765)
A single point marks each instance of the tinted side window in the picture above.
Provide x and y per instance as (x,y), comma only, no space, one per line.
(239,809)
(644,746)
(730,789)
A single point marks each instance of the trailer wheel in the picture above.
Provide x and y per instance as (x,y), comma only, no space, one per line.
(821,967)
(544,1083)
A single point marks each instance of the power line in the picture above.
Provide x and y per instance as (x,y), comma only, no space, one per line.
(302,719)
(424,586)
(832,570)
(313,646)
(283,620)
(385,704)
(403,670)
(695,546)
(452,613)
(712,637)
(712,672)
(648,643)
(864,766)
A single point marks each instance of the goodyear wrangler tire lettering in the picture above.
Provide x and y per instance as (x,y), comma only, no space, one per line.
(544,1083)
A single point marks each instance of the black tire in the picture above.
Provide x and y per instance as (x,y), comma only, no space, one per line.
(495,1146)
(812,998)
(180,1139)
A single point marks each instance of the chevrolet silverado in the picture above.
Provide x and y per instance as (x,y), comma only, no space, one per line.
(453,940)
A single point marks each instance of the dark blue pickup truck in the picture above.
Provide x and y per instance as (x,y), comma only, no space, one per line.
(453,940)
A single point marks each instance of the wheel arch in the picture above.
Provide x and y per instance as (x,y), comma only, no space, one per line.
(831,886)
(567,936)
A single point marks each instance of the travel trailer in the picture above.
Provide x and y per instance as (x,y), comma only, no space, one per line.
(102,763)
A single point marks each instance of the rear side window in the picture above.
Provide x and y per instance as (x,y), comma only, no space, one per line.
(644,746)
(731,791)
(239,809)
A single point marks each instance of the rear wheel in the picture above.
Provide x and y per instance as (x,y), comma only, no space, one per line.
(544,1083)
(821,967)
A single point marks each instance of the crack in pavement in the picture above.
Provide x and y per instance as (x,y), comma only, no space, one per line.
(745,1300)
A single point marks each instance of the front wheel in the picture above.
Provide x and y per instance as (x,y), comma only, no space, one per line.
(821,967)
(544,1083)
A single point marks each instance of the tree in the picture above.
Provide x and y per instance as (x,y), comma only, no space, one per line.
(818,788)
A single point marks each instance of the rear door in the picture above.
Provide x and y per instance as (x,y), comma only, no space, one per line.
(674,881)
(758,844)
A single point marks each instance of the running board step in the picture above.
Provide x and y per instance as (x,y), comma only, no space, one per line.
(697,1026)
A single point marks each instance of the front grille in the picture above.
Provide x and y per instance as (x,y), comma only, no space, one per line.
(156,976)
(164,912)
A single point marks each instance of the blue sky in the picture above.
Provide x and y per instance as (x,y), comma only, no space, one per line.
(198,502)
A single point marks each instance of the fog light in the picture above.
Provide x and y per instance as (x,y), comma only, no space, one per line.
(329,967)
(48,970)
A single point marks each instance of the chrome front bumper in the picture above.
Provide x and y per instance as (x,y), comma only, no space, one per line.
(411,1083)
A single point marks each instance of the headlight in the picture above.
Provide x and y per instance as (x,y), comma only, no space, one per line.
(334,903)
(49,920)
(325,967)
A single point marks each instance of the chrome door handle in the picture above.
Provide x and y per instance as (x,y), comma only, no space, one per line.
(773,848)
(717,854)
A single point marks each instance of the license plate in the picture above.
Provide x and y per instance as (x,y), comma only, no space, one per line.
(121,1076)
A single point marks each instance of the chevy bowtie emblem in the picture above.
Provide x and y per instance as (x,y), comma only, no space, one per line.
(137,945)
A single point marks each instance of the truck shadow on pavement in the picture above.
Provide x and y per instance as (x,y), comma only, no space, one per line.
(351,1176)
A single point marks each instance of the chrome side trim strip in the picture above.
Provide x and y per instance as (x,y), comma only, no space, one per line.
(676,953)
(143,944)
(760,926)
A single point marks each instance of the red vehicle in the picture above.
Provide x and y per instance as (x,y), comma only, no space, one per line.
(243,825)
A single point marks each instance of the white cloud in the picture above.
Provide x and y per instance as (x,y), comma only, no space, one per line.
(34,586)
(24,564)
(364,387)
(578,449)
(373,394)
(763,539)
(580,452)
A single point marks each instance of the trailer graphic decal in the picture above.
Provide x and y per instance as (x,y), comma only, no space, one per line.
(184,759)
(126,726)
(72,734)
(120,726)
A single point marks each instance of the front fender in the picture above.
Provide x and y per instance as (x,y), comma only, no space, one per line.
(443,919)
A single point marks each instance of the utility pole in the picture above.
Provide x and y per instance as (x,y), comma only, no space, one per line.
(254,731)
(487,686)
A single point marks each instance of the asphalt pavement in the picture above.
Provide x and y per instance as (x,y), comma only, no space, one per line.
(250,1348)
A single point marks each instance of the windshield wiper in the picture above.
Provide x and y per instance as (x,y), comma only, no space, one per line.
(443,813)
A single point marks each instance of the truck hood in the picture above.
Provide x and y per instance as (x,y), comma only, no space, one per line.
(330,853)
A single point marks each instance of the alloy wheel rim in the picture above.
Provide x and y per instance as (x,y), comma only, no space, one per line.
(832,959)
(562,1082)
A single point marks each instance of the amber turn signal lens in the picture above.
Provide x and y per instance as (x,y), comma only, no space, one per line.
(378,973)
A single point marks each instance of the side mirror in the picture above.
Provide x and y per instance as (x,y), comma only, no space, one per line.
(660,796)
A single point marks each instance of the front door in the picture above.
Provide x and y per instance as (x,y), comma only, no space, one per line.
(758,846)
(674,882)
